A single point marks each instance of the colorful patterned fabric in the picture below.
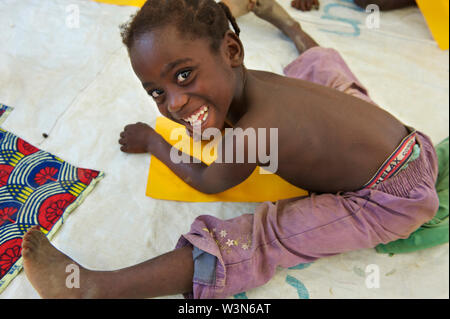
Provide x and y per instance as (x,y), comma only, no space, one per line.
(36,188)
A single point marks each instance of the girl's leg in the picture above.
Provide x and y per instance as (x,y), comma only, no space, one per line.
(247,250)
(47,270)
(319,65)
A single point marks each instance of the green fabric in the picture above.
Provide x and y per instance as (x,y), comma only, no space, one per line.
(434,232)
(415,155)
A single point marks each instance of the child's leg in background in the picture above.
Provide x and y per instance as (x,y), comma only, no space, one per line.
(273,13)
(315,64)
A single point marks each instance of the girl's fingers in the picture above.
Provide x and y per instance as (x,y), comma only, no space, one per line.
(305,5)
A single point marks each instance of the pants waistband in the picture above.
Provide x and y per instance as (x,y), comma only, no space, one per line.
(394,163)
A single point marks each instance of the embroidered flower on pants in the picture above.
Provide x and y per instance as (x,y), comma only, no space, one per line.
(231,242)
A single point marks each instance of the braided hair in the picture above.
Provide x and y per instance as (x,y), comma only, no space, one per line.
(197,18)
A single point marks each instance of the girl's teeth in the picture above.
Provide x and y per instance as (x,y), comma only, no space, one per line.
(193,119)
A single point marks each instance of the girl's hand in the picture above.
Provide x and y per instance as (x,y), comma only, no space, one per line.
(305,5)
(138,138)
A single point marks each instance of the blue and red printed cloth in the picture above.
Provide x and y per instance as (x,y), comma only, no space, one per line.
(36,188)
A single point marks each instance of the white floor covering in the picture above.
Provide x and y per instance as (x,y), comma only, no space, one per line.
(76,85)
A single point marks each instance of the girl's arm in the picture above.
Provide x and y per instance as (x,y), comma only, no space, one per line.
(215,178)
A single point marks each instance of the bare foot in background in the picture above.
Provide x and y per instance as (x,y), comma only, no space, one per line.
(305,5)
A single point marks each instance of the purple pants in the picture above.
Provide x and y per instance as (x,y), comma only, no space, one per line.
(235,255)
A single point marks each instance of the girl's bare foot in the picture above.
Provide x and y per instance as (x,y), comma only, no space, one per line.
(305,5)
(272,12)
(48,269)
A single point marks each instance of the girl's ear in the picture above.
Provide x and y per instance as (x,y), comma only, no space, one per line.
(234,51)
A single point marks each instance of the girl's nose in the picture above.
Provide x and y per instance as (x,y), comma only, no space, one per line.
(177,101)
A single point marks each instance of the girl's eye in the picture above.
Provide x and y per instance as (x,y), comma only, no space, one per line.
(182,76)
(156,93)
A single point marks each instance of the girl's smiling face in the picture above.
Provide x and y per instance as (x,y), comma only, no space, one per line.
(190,83)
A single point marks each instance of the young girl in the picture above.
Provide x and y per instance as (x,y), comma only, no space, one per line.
(371,177)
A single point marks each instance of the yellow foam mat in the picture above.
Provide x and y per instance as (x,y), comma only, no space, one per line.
(437,16)
(164,184)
